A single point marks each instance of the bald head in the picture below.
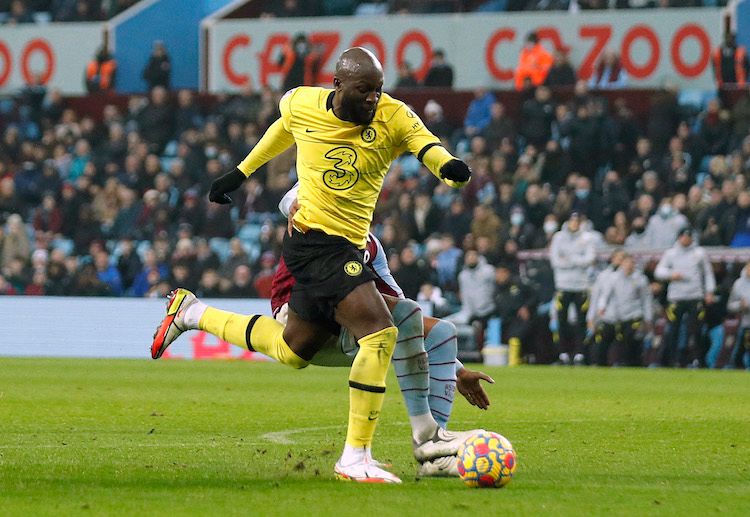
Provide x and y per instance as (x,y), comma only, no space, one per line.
(357,61)
(359,83)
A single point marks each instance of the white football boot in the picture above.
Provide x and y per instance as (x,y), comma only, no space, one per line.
(446,466)
(442,443)
(365,471)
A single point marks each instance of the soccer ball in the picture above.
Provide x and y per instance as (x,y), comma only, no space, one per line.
(486,460)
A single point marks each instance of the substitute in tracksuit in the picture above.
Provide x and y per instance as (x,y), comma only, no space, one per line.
(595,327)
(571,255)
(628,301)
(739,303)
(691,285)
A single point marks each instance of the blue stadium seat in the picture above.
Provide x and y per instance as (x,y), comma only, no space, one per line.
(220,246)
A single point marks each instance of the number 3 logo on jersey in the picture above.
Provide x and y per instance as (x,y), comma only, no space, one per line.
(344,174)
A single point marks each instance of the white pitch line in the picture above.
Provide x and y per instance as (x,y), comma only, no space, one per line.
(282,437)
(135,445)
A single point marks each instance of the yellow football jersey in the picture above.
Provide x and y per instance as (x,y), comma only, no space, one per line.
(341,165)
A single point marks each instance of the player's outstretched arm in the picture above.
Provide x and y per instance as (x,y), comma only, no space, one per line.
(275,141)
(468,385)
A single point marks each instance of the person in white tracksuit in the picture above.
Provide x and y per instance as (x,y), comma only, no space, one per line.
(571,254)
(739,303)
(691,285)
(628,301)
(601,325)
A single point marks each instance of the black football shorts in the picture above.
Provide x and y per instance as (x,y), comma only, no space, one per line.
(326,269)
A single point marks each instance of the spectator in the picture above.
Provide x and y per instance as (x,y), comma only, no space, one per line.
(608,72)
(435,121)
(101,72)
(478,114)
(156,120)
(534,63)
(440,73)
(19,13)
(571,255)
(406,78)
(739,303)
(241,285)
(730,62)
(499,128)
(263,280)
(664,226)
(300,62)
(561,73)
(537,114)
(637,238)
(128,263)
(152,272)
(737,221)
(87,283)
(715,130)
(691,287)
(476,289)
(14,244)
(158,69)
(515,305)
(108,273)
(412,273)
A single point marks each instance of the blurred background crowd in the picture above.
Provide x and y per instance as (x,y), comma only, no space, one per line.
(115,204)
(30,11)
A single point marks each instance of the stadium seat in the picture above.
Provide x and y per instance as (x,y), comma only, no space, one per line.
(220,246)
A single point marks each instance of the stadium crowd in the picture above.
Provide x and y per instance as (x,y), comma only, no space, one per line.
(117,205)
(14,12)
(30,11)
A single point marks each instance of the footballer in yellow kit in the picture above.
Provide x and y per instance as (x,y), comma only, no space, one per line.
(340,165)
(346,140)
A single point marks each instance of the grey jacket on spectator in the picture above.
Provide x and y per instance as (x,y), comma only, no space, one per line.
(601,286)
(627,297)
(662,229)
(740,292)
(571,254)
(477,287)
(693,264)
(637,241)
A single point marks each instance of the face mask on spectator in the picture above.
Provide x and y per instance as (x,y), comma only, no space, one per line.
(516,219)
(550,227)
(582,194)
(665,210)
(639,229)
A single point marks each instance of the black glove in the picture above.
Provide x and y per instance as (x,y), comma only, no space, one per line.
(228,182)
(455,170)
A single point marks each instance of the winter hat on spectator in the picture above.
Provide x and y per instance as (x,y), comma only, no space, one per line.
(432,108)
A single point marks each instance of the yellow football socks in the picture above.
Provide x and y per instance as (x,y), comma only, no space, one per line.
(266,334)
(367,385)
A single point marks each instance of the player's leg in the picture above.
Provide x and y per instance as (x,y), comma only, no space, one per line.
(253,332)
(674,316)
(441,347)
(563,337)
(581,302)
(366,315)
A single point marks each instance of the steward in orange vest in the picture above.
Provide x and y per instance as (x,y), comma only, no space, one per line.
(101,72)
(534,62)
(730,62)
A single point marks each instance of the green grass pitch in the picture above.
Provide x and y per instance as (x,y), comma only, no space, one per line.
(102,437)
